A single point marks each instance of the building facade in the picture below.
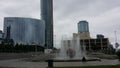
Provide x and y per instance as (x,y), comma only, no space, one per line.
(24,30)
(100,36)
(1,36)
(98,43)
(47,16)
(83,27)
(83,30)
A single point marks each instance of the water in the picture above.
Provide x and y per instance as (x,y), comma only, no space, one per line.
(71,49)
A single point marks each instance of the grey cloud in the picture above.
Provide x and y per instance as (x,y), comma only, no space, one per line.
(21,7)
(85,7)
(102,15)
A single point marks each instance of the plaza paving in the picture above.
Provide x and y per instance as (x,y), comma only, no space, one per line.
(19,63)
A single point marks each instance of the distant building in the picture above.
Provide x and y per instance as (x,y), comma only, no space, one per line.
(24,30)
(1,36)
(96,44)
(99,43)
(83,27)
(47,16)
(81,35)
(93,43)
(100,36)
(83,30)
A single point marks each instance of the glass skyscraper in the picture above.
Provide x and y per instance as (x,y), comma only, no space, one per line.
(25,30)
(47,16)
(83,27)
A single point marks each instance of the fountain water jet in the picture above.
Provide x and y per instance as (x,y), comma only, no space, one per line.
(71,49)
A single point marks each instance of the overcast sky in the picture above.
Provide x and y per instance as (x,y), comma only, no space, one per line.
(103,15)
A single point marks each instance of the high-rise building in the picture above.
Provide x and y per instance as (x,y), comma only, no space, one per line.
(94,44)
(24,30)
(83,27)
(83,30)
(47,16)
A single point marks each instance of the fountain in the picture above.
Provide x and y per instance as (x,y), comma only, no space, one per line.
(71,51)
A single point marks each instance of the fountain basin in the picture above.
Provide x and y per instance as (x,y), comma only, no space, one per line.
(73,60)
(51,61)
